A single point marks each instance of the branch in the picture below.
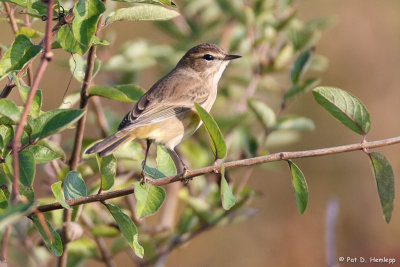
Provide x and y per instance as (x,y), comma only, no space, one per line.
(277,157)
(76,151)
(75,157)
(16,143)
(228,165)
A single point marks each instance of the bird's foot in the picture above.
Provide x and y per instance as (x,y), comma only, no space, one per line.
(185,173)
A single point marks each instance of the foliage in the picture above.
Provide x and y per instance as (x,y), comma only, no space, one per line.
(279,43)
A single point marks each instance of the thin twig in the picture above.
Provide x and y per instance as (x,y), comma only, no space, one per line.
(16,143)
(130,201)
(88,199)
(228,165)
(28,24)
(75,157)
(10,15)
(67,19)
(4,242)
(105,254)
(62,260)
(100,117)
(178,240)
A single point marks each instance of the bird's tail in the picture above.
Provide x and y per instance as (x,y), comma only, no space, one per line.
(111,143)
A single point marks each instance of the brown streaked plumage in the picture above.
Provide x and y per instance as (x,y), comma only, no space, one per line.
(165,113)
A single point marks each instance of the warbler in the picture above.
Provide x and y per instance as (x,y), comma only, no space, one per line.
(166,114)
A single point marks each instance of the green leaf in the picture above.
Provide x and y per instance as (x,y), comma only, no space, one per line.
(55,245)
(9,110)
(153,2)
(344,107)
(263,113)
(35,8)
(110,93)
(19,53)
(304,87)
(2,145)
(7,133)
(97,42)
(14,213)
(168,3)
(301,65)
(29,32)
(78,64)
(4,198)
(56,188)
(132,91)
(26,165)
(42,154)
(227,198)
(57,120)
(104,230)
(82,248)
(153,173)
(385,182)
(149,198)
(36,105)
(27,191)
(299,186)
(108,168)
(165,164)
(119,244)
(217,139)
(123,93)
(294,123)
(74,186)
(79,37)
(127,228)
(141,12)
(53,147)
(300,37)
(233,9)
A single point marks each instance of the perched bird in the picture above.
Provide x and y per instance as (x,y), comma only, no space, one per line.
(165,114)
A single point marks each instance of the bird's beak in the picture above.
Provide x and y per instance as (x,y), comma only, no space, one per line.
(230,57)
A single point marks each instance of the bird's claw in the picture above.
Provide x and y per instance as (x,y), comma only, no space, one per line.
(185,179)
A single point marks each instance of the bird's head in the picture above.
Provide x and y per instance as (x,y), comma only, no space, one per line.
(206,59)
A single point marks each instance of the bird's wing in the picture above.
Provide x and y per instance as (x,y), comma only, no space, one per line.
(167,98)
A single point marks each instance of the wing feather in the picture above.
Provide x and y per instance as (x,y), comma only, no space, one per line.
(174,94)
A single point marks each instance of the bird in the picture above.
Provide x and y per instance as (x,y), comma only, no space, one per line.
(166,114)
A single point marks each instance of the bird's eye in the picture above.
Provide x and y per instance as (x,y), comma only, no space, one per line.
(208,57)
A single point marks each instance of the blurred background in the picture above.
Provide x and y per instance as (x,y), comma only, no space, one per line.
(363,50)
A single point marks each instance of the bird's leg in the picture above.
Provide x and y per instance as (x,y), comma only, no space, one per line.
(143,174)
(185,167)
